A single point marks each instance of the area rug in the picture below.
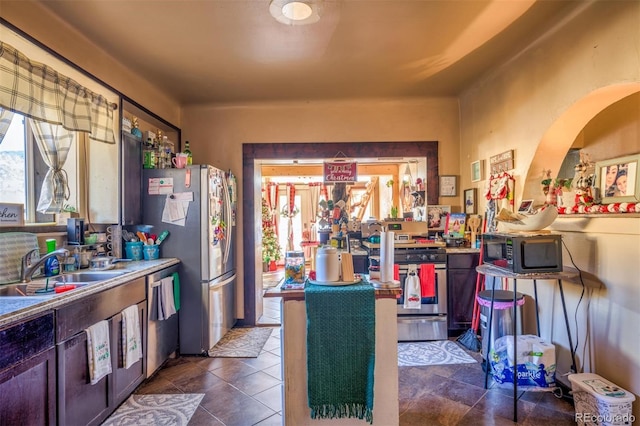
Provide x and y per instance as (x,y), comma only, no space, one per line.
(241,343)
(439,352)
(156,409)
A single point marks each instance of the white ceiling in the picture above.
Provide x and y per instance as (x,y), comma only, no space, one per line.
(234,51)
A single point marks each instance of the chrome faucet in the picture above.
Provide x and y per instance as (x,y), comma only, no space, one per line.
(27,269)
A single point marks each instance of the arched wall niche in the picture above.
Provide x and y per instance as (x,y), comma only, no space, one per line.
(559,138)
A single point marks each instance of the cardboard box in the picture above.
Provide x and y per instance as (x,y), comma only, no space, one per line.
(61,218)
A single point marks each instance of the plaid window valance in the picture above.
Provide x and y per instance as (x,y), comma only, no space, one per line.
(38,91)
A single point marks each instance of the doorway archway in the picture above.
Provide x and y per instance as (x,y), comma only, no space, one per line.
(251,188)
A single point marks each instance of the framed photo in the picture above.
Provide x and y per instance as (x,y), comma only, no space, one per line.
(526,206)
(618,180)
(449,186)
(477,168)
(470,206)
(437,217)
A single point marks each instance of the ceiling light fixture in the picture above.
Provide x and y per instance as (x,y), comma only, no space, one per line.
(295,12)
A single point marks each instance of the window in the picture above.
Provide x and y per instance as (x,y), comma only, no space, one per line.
(22,171)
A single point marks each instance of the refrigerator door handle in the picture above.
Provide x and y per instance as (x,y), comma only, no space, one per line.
(227,219)
(222,283)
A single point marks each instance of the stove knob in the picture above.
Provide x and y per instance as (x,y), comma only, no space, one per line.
(424,257)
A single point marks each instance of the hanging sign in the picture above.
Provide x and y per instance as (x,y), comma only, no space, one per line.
(502,162)
(340,171)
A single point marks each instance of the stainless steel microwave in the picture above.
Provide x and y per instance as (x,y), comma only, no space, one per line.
(523,253)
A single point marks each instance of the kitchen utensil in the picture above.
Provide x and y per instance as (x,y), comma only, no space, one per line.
(65,287)
(142,236)
(103,263)
(162,237)
(133,250)
(128,236)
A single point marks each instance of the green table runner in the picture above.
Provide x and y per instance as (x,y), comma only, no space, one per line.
(340,350)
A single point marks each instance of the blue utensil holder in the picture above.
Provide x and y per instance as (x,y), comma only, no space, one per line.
(133,250)
(151,252)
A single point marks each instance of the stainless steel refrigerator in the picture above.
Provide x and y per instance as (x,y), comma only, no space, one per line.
(197,206)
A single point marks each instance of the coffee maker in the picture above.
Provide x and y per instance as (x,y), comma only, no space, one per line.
(75,231)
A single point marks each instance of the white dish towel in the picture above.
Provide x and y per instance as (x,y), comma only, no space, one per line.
(167,301)
(412,293)
(99,351)
(131,336)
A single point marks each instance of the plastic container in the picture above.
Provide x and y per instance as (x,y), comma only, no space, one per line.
(151,252)
(600,402)
(133,250)
(52,264)
(502,321)
(327,264)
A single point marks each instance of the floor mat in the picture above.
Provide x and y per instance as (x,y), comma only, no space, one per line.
(156,409)
(241,343)
(439,352)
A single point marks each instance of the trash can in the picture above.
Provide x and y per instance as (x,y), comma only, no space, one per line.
(502,321)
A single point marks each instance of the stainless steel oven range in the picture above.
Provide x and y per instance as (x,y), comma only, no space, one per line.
(430,321)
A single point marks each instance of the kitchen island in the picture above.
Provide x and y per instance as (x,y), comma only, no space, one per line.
(295,409)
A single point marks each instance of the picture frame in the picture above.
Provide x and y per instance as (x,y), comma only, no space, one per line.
(618,179)
(448,186)
(526,207)
(470,201)
(437,217)
(477,168)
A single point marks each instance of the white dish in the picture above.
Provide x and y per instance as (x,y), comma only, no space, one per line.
(335,283)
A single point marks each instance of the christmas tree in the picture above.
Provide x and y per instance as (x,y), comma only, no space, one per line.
(270,246)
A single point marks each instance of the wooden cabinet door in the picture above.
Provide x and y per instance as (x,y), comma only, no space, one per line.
(80,402)
(125,380)
(28,391)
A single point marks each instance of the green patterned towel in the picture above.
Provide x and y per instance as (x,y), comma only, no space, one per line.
(341,348)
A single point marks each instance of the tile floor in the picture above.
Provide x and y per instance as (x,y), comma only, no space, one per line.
(247,391)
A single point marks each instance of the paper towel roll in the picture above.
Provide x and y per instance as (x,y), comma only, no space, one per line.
(386,256)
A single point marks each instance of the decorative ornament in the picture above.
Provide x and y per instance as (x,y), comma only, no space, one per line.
(135,131)
(285,212)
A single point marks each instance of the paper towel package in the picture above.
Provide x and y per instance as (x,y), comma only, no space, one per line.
(536,362)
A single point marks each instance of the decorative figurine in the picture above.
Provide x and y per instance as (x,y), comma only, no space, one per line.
(135,131)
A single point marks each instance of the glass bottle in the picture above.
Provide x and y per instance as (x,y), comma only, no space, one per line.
(187,150)
(148,155)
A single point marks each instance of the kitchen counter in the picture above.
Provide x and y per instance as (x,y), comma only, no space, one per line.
(381,293)
(406,244)
(461,250)
(295,409)
(15,308)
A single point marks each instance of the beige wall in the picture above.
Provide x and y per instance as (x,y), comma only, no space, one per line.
(216,133)
(39,23)
(538,104)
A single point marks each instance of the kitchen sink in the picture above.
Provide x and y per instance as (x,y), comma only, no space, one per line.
(32,289)
(35,287)
(87,276)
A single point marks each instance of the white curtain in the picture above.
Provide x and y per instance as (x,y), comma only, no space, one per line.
(291,204)
(54,142)
(5,121)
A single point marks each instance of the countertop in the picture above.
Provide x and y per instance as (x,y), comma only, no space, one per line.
(16,308)
(381,293)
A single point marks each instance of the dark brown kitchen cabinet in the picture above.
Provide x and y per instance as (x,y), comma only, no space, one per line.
(28,372)
(461,287)
(80,402)
(125,380)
